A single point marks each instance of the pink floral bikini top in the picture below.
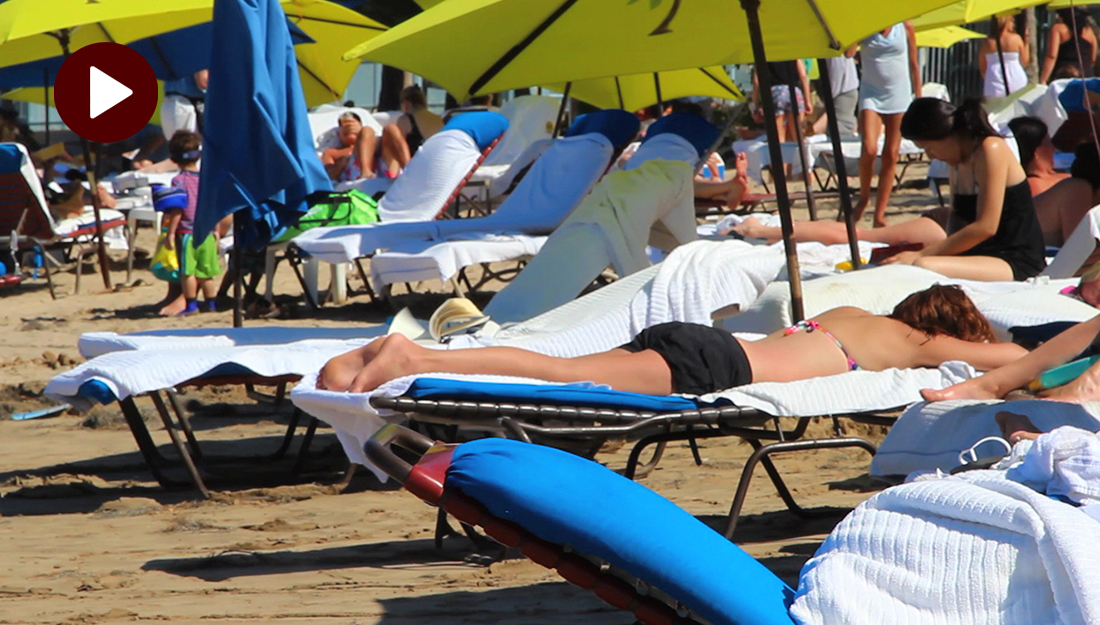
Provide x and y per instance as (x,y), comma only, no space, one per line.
(812,325)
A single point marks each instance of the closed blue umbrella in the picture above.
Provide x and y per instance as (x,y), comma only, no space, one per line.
(258,153)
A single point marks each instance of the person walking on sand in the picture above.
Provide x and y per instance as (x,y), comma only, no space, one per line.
(891,79)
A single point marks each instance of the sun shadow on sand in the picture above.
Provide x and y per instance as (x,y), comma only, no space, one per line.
(779,524)
(232,467)
(393,554)
(534,604)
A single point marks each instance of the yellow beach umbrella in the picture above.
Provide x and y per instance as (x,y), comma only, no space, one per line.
(324,72)
(510,44)
(638,91)
(945,36)
(969,11)
(1061,4)
(36,95)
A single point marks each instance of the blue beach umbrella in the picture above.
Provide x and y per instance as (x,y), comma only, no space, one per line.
(258,153)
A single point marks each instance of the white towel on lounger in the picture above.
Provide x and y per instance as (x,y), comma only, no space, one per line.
(964,549)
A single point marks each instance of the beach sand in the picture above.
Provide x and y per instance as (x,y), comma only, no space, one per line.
(89,536)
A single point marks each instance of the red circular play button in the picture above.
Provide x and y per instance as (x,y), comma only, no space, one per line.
(105,92)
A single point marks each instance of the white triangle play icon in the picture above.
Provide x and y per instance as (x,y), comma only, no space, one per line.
(104,92)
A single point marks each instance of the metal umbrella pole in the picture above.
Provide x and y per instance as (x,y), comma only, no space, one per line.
(838,160)
(101,250)
(752,15)
(46,100)
(561,109)
(657,88)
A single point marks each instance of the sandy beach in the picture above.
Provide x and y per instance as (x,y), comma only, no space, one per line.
(90,537)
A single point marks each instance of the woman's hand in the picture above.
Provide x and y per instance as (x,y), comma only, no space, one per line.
(903,258)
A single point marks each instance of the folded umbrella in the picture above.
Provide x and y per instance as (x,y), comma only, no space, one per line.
(258,153)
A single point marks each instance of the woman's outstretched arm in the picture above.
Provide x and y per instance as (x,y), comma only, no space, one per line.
(1018,373)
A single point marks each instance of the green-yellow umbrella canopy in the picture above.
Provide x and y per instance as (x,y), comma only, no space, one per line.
(638,91)
(1067,4)
(945,36)
(37,95)
(484,46)
(325,74)
(969,11)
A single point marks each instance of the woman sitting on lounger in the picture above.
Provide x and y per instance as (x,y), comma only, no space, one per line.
(992,232)
(925,330)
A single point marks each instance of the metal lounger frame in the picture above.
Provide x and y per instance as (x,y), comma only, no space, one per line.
(531,422)
(187,446)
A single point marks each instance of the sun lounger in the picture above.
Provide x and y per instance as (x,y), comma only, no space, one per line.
(27,225)
(431,183)
(123,376)
(530,120)
(1079,252)
(649,202)
(930,436)
(555,184)
(879,289)
(534,410)
(907,555)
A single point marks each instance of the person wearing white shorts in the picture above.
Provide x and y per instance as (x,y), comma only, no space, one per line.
(182,99)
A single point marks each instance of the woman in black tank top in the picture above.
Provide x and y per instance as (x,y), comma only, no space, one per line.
(993,232)
(1071,35)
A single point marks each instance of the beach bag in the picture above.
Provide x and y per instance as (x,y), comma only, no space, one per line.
(165,263)
(348,208)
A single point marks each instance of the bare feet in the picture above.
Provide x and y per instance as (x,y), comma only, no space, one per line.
(174,307)
(970,389)
(368,367)
(1016,427)
(880,223)
(751,228)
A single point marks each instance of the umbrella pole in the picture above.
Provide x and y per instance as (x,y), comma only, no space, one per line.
(46,99)
(760,57)
(101,250)
(561,109)
(838,159)
(238,272)
(802,153)
(657,88)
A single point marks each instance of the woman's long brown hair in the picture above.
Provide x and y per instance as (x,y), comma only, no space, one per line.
(944,309)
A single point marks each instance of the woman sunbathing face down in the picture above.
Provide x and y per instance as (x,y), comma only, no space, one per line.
(925,330)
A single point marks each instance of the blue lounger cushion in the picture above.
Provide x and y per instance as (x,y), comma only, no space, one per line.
(484,126)
(545,394)
(619,126)
(698,131)
(567,499)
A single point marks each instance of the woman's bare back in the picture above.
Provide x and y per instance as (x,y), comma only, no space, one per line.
(874,342)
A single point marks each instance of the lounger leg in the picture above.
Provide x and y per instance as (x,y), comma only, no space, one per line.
(632,463)
(148,449)
(307,440)
(181,448)
(49,274)
(288,437)
(761,455)
(184,421)
(511,426)
(366,279)
(296,265)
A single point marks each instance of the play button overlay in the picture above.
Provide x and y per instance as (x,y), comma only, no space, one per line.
(105,92)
